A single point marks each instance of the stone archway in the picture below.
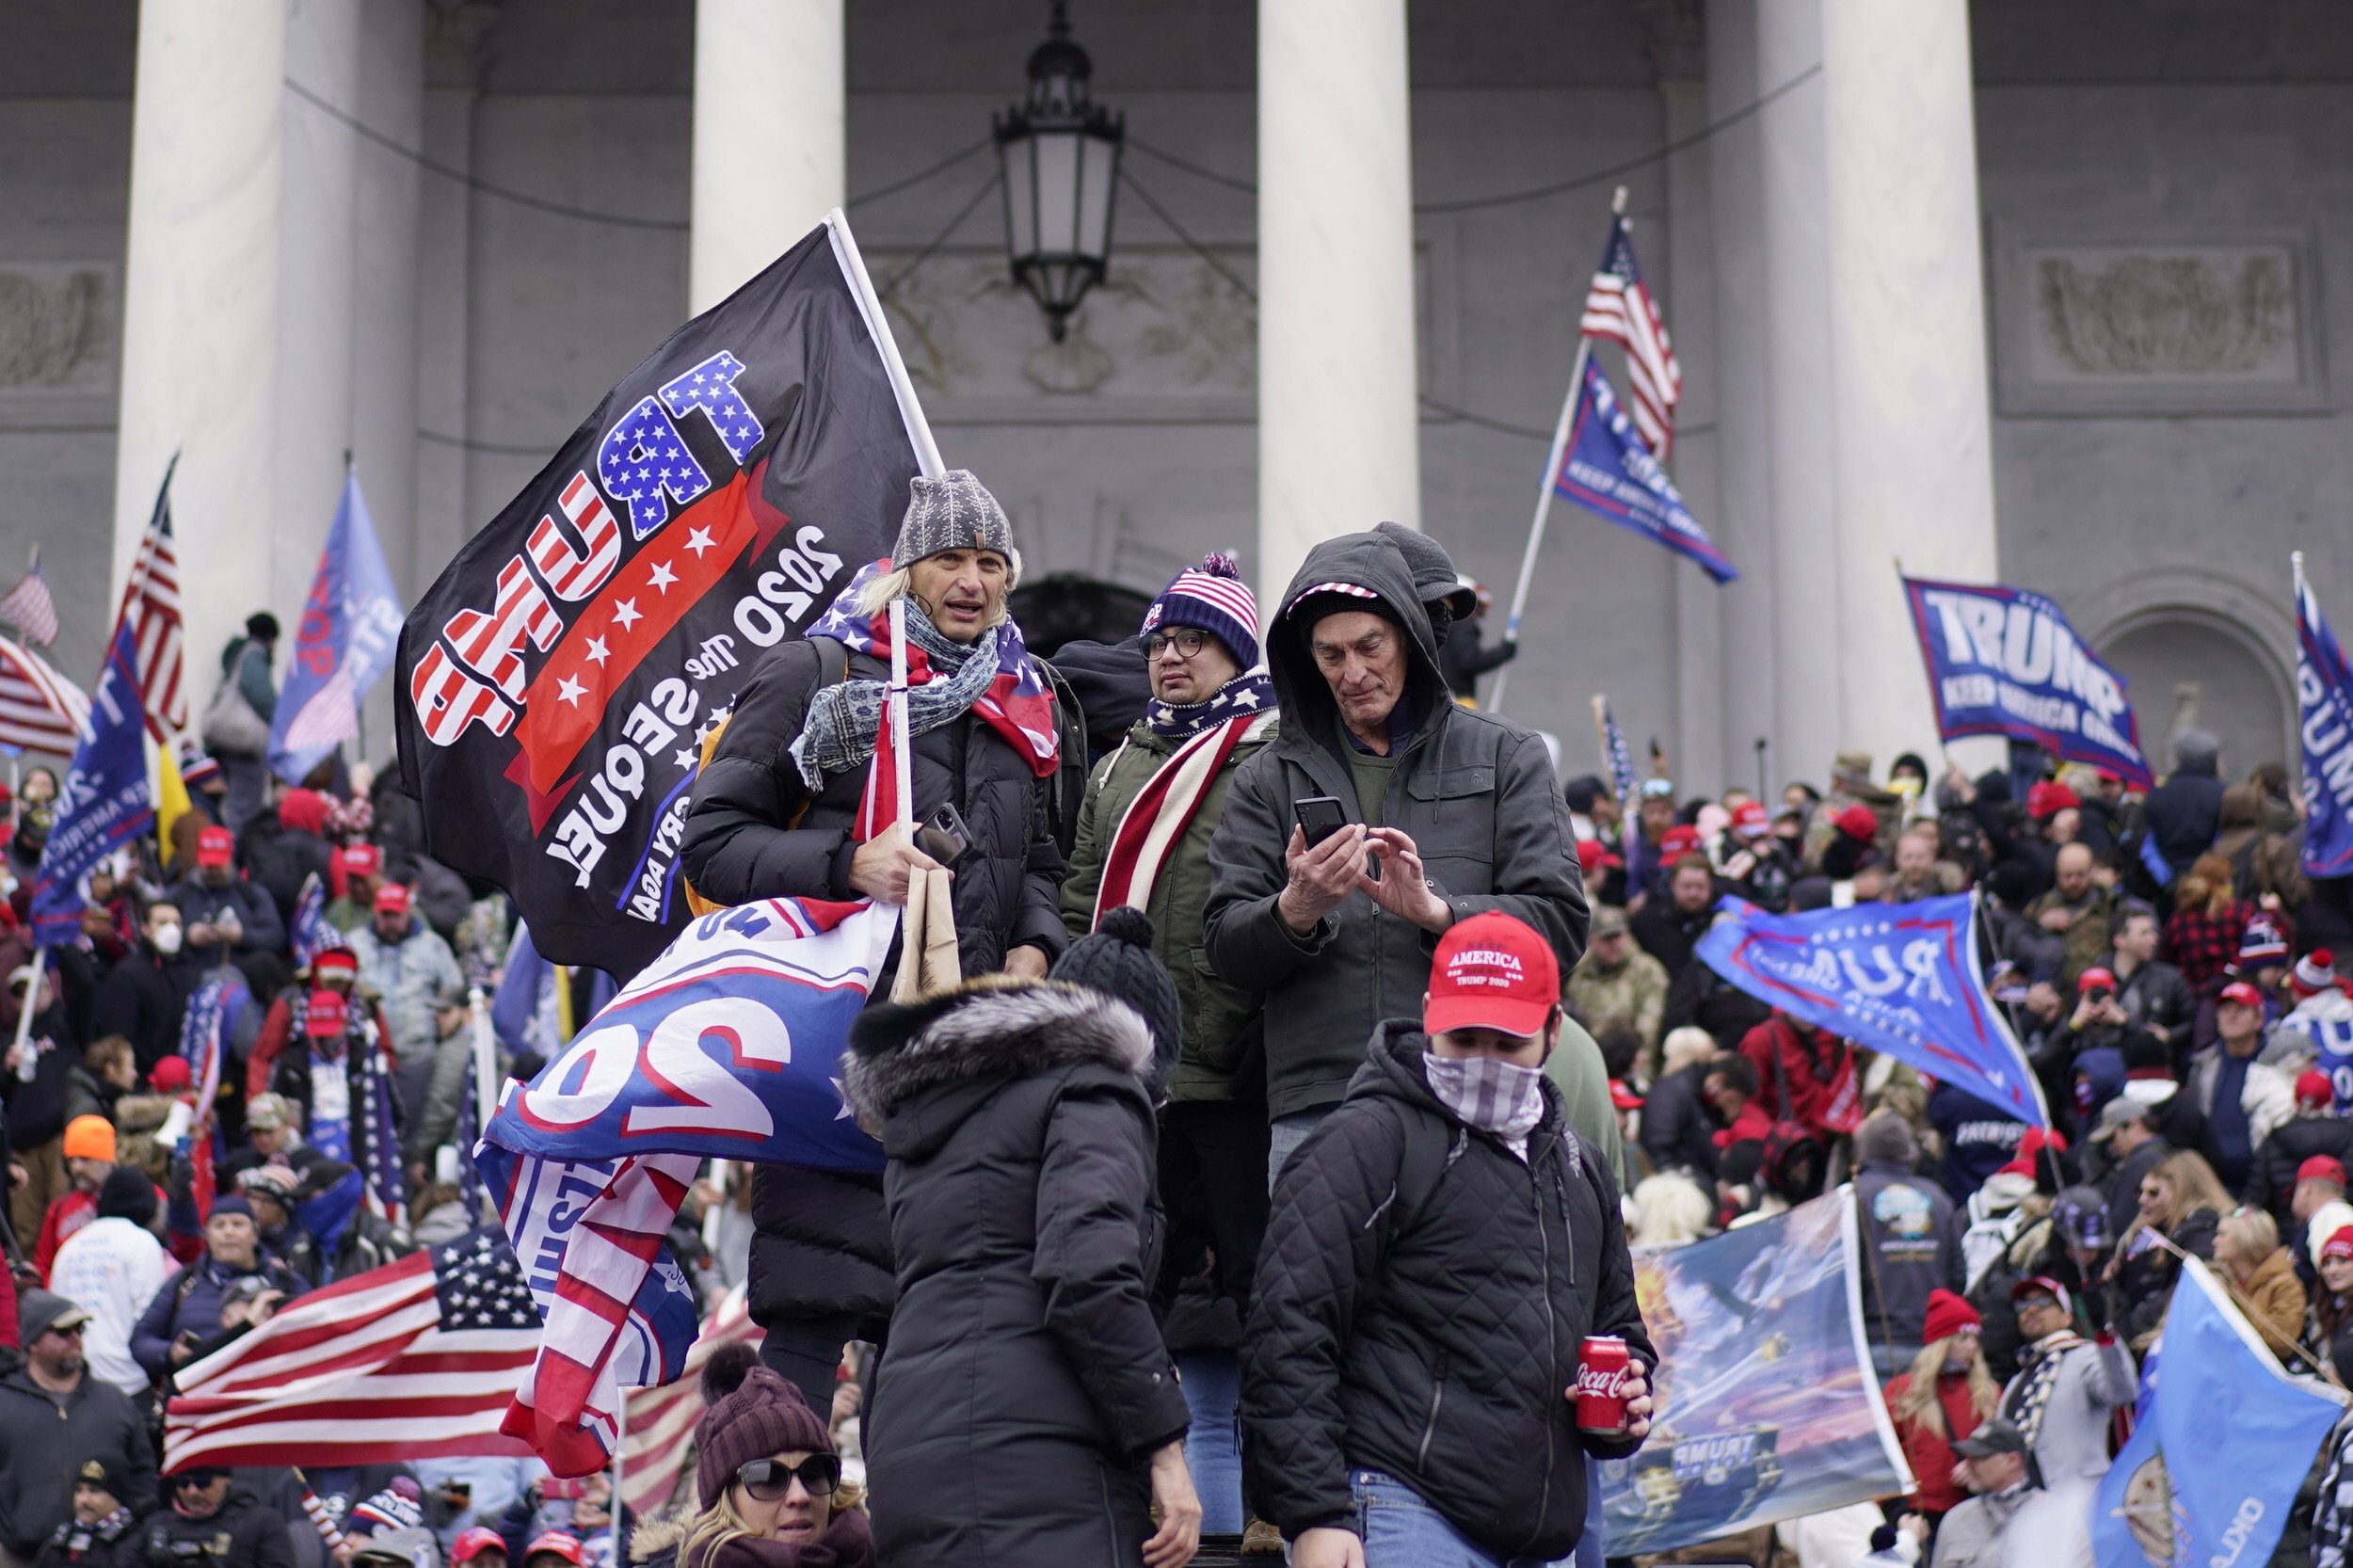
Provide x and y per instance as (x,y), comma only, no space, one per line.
(2200,642)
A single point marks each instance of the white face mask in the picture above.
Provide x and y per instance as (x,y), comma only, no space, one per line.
(167,939)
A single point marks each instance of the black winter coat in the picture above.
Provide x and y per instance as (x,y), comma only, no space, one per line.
(2272,1183)
(1676,1128)
(112,1542)
(2183,814)
(1026,1382)
(240,1534)
(42,1441)
(143,999)
(1440,1353)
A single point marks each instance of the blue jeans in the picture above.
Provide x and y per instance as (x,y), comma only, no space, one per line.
(1590,1546)
(1400,1530)
(1212,1382)
(1285,1133)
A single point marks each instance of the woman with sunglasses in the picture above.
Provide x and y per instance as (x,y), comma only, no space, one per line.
(769,1485)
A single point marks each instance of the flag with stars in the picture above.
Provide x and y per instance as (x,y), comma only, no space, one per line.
(415,1360)
(552,686)
(311,932)
(1903,978)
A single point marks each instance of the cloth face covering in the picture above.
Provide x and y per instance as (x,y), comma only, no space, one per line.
(1489,1094)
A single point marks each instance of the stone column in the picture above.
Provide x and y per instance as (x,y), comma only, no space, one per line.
(1704,756)
(199,329)
(768,135)
(1914,473)
(1338,428)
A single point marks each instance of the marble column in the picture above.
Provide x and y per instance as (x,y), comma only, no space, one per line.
(1338,428)
(199,329)
(1705,758)
(768,155)
(1913,472)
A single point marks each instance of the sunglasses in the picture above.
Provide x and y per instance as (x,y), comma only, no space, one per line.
(768,1479)
(194,1482)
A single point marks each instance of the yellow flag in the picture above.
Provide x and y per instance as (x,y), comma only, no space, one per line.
(171,795)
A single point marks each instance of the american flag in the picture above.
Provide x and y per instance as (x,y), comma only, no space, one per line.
(28,607)
(204,1030)
(374,1138)
(311,933)
(1622,782)
(1619,308)
(39,708)
(414,1360)
(662,1421)
(151,602)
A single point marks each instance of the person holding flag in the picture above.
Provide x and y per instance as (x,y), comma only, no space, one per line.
(774,814)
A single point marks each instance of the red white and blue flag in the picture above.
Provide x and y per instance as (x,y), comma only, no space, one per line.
(28,607)
(39,708)
(1606,469)
(1619,308)
(2323,689)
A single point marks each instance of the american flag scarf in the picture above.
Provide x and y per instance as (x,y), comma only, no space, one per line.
(1155,822)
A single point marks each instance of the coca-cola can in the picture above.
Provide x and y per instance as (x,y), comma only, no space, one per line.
(1602,1373)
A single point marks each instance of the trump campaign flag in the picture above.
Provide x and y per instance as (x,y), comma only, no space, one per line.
(2324,695)
(1606,470)
(105,801)
(552,684)
(2211,1473)
(2005,661)
(1900,978)
(343,643)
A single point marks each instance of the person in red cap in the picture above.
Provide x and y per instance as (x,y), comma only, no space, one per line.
(359,871)
(1755,864)
(2315,1131)
(2150,993)
(1941,1398)
(2330,1325)
(2318,1206)
(416,978)
(327,1017)
(478,1546)
(1401,1401)
(223,910)
(2066,1387)
(2242,1098)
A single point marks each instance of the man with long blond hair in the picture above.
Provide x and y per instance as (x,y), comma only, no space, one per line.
(1941,1398)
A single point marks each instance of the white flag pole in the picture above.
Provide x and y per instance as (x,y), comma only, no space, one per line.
(902,765)
(1543,485)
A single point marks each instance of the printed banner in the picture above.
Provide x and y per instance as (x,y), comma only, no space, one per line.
(2324,695)
(2213,1376)
(105,801)
(1767,1406)
(2005,661)
(343,645)
(553,683)
(1607,468)
(1900,978)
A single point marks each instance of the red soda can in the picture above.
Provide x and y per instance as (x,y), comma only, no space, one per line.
(1602,1370)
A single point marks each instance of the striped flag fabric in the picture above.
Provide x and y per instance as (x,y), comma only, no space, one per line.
(28,607)
(39,708)
(1622,780)
(309,931)
(662,1421)
(151,604)
(1619,308)
(414,1360)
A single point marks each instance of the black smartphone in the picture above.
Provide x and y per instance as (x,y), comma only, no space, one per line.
(942,835)
(1320,817)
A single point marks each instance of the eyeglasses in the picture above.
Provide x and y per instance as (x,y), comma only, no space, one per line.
(1189,643)
(65,1331)
(771,1479)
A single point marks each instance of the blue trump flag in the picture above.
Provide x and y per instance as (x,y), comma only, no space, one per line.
(1606,469)
(2324,695)
(349,629)
(2242,1430)
(104,802)
(2005,661)
(1900,978)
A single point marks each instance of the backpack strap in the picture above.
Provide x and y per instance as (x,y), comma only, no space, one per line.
(1426,1155)
(833,667)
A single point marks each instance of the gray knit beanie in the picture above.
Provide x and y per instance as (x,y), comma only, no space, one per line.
(1885,1136)
(951,512)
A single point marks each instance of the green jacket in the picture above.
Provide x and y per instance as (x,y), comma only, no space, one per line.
(1215,1013)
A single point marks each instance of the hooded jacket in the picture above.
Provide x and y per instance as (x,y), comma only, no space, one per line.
(44,1438)
(1026,1382)
(242,1532)
(1439,1353)
(1474,791)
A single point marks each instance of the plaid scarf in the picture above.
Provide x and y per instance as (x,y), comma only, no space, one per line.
(1492,1095)
(993,677)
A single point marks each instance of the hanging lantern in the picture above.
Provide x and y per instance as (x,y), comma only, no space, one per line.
(1060,153)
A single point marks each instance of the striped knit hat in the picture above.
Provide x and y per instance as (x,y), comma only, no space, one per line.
(1213,597)
(2262,947)
(2315,972)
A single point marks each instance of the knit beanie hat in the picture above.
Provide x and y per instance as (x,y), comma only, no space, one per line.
(764,1415)
(1435,581)
(2315,972)
(1885,1136)
(395,1508)
(127,1194)
(1947,1315)
(1117,960)
(2260,947)
(951,512)
(1213,597)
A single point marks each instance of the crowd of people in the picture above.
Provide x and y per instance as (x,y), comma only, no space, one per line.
(1319,1061)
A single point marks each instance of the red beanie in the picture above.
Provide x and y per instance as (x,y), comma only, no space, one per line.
(1859,823)
(764,1415)
(1947,1315)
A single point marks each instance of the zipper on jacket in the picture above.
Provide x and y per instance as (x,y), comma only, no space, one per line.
(1552,1344)
(1430,1427)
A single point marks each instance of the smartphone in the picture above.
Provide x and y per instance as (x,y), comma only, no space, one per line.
(942,835)
(560,1489)
(1320,817)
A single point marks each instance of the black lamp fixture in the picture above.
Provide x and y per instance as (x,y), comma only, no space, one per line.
(1060,153)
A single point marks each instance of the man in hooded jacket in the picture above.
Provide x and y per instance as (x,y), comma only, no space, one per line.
(1445,812)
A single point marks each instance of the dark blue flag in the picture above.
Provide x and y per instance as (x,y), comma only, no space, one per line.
(104,802)
(1606,469)
(344,642)
(2323,693)
(2005,661)
(1900,978)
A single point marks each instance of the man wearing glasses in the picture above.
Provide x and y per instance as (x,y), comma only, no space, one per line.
(54,1415)
(1145,826)
(207,1522)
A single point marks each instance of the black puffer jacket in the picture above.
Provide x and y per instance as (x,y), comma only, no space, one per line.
(1026,1382)
(1474,791)
(242,1532)
(1442,1354)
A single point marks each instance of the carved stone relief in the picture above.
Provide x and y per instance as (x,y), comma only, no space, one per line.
(57,329)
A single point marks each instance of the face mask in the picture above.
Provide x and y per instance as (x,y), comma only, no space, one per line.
(1488,1093)
(166,940)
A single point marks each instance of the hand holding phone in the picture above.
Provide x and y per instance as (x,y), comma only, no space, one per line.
(1320,817)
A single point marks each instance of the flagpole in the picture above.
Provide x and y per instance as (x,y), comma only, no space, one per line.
(902,777)
(25,1065)
(1543,487)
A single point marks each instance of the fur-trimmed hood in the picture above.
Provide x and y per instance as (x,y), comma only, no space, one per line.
(980,1035)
